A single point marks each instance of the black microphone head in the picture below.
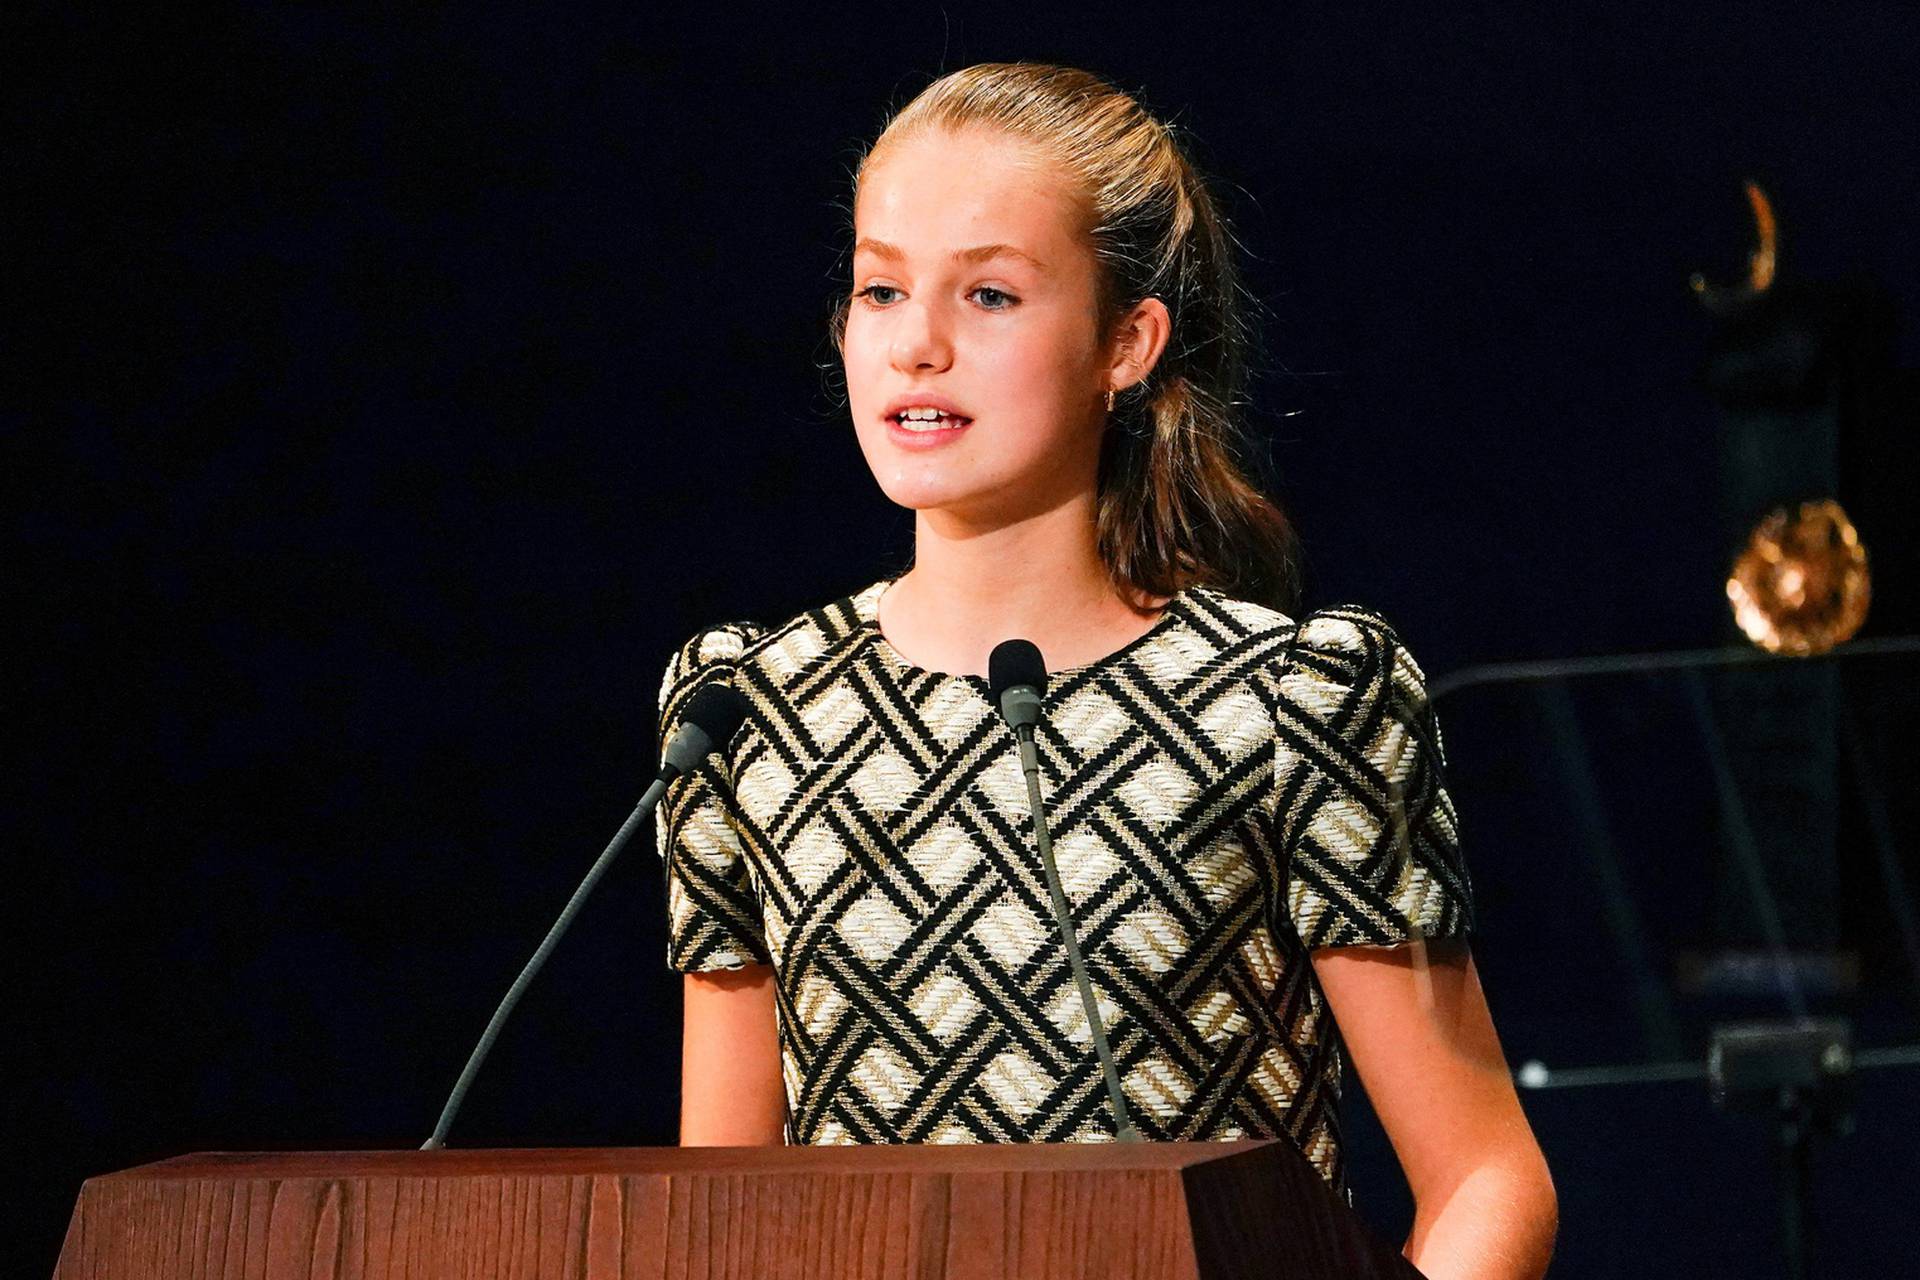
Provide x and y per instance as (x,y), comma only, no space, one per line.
(1013,664)
(718,709)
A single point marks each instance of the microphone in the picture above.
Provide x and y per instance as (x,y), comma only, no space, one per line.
(1016,680)
(1017,677)
(713,715)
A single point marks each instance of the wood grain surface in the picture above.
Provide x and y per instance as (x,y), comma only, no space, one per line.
(1165,1211)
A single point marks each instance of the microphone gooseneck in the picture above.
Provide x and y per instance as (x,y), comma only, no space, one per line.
(713,715)
(1017,679)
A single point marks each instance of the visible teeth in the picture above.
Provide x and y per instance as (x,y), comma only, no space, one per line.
(925,419)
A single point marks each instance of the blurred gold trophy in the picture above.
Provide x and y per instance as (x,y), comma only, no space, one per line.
(1801,585)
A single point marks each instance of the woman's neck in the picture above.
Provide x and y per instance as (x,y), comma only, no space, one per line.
(1040,578)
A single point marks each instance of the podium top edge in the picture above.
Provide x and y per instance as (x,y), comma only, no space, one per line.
(589,1161)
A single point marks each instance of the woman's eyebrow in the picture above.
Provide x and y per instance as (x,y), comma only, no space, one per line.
(978,253)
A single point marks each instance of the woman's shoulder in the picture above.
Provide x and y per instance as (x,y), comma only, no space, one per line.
(1333,647)
(784,643)
(1348,628)
(1352,656)
(1336,628)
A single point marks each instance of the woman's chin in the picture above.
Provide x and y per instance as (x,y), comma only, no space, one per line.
(921,497)
(917,483)
(958,514)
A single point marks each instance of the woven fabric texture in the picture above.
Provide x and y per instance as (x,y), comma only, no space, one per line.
(1225,794)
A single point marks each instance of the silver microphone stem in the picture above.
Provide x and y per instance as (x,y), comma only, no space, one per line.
(1063,916)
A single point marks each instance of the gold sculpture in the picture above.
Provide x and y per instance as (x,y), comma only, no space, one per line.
(1801,585)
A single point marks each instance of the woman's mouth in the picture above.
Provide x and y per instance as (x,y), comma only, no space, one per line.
(922,428)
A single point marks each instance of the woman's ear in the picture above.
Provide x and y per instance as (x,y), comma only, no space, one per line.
(1138,340)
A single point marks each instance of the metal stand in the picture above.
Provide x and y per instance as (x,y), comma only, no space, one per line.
(1801,1072)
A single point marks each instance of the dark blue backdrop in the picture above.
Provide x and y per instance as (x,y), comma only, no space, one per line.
(399,392)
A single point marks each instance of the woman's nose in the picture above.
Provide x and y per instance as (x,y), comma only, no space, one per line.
(920,339)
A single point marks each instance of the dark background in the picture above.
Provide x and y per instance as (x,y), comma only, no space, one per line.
(391,395)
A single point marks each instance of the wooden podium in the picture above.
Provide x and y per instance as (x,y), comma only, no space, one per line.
(1157,1211)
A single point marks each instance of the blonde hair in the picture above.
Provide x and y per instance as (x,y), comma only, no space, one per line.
(1175,506)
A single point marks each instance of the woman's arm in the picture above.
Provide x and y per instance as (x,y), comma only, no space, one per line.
(731,1093)
(1416,1026)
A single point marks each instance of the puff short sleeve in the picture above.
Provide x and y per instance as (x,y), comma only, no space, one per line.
(713,902)
(1368,825)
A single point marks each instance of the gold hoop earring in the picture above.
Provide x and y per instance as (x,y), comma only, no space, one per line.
(1109,399)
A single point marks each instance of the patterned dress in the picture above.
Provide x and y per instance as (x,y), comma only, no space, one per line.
(1226,793)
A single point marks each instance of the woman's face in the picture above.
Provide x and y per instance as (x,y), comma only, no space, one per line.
(974,293)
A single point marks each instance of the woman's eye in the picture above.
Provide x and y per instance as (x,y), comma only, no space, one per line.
(991,298)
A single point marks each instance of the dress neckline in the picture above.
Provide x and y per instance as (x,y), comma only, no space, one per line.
(866,607)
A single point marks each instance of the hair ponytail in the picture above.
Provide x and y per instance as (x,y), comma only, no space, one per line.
(1176,505)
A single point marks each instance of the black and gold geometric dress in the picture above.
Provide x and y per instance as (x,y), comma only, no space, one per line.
(1226,793)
